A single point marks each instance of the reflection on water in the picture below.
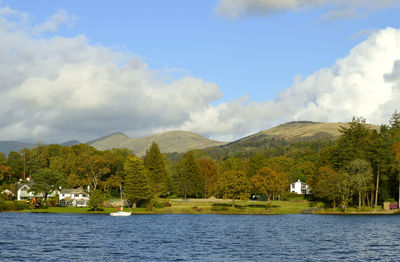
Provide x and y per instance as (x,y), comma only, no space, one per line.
(67,237)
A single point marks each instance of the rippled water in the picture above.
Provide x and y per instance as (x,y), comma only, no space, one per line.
(67,237)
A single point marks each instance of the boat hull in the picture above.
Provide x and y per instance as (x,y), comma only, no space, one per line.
(120,214)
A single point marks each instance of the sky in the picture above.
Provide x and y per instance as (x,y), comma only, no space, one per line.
(221,68)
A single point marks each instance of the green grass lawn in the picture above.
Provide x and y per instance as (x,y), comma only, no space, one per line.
(225,207)
(216,206)
(197,206)
(78,210)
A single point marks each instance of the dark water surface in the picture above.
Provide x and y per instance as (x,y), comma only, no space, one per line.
(75,237)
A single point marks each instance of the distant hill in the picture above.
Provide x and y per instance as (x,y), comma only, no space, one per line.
(71,143)
(291,132)
(305,131)
(169,142)
(7,146)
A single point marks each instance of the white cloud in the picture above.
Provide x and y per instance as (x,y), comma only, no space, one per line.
(337,9)
(365,83)
(52,24)
(62,88)
(56,89)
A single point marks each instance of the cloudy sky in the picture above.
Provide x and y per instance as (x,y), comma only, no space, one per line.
(221,68)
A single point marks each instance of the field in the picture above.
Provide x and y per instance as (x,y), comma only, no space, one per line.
(197,206)
(224,206)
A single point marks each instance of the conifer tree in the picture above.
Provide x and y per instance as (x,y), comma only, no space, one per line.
(136,184)
(191,182)
(155,163)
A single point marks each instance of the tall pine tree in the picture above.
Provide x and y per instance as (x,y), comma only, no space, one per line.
(191,182)
(158,177)
(136,183)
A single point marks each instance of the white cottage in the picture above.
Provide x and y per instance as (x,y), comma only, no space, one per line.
(299,188)
(24,194)
(74,197)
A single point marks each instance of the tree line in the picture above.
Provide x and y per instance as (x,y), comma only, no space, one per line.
(360,168)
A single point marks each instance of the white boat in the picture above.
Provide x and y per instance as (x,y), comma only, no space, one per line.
(121,212)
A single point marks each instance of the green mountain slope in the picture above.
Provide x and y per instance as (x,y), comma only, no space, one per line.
(292,132)
(169,142)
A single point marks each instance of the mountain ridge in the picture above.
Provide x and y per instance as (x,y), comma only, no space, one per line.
(169,142)
(178,141)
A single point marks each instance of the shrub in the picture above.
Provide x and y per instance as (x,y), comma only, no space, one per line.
(3,205)
(219,208)
(150,205)
(166,204)
(291,196)
(96,201)
(224,206)
(257,206)
(317,204)
(158,205)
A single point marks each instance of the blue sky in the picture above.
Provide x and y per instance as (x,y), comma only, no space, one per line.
(256,52)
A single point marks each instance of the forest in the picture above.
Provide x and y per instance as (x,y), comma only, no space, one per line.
(360,168)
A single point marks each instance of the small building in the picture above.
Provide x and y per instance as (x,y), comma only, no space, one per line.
(299,188)
(7,193)
(73,197)
(24,194)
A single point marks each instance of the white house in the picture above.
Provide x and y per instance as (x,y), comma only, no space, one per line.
(22,192)
(73,197)
(299,188)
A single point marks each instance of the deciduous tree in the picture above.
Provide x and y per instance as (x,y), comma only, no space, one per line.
(269,182)
(209,171)
(46,181)
(361,176)
(234,184)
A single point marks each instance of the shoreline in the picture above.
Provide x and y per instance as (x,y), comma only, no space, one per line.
(378,213)
(217,207)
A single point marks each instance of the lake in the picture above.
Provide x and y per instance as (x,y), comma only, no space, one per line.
(81,237)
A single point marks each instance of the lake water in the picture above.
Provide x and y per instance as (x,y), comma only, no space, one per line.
(76,237)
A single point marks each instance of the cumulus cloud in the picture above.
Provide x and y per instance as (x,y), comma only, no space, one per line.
(337,9)
(52,24)
(56,89)
(365,83)
(64,87)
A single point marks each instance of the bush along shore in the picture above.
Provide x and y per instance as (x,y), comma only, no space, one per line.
(206,206)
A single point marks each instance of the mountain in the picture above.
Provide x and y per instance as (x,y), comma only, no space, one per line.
(71,143)
(169,142)
(291,132)
(114,140)
(305,131)
(7,146)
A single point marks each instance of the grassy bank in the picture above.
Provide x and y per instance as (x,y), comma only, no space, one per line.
(220,206)
(76,210)
(356,211)
(196,206)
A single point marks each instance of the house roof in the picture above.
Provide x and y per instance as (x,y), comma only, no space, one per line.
(298,181)
(66,191)
(21,185)
(78,190)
